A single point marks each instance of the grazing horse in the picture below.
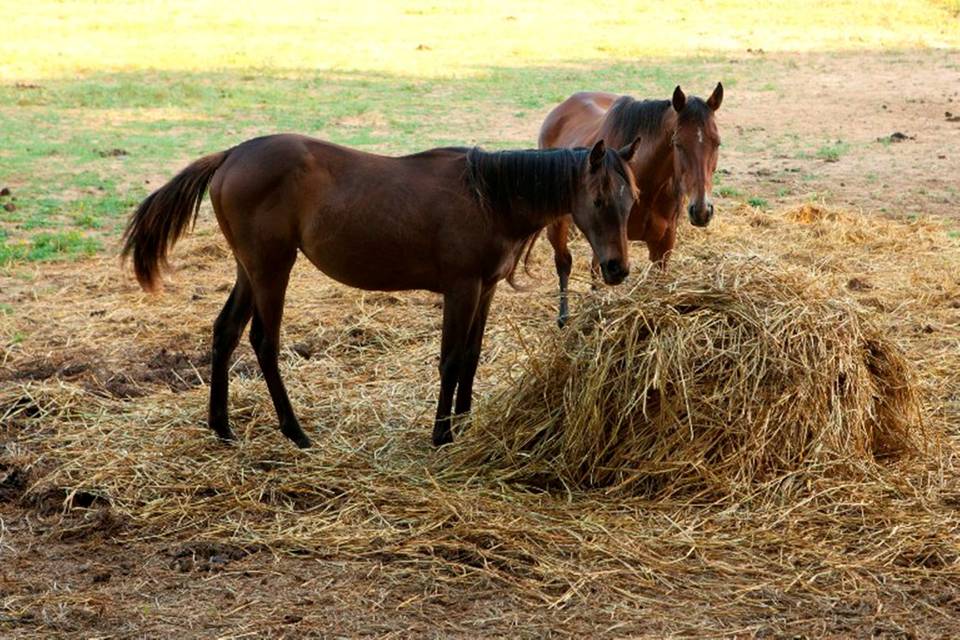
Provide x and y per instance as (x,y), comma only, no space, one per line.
(677,158)
(454,221)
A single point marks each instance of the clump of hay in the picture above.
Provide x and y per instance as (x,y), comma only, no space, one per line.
(702,380)
(810,213)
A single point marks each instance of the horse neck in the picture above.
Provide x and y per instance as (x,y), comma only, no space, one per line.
(653,166)
(528,210)
(524,218)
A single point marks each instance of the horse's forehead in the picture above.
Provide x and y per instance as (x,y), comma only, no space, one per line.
(697,131)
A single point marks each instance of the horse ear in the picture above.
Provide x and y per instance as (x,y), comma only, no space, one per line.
(630,150)
(715,98)
(679,99)
(596,155)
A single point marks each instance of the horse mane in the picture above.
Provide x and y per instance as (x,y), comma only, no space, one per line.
(533,180)
(631,118)
(536,181)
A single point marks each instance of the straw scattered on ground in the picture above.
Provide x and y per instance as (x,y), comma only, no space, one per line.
(103,404)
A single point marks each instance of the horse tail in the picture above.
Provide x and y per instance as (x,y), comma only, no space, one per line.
(163,217)
(523,256)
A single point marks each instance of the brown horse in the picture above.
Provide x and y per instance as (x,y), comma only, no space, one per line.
(454,221)
(677,158)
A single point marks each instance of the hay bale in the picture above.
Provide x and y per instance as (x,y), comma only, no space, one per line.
(709,379)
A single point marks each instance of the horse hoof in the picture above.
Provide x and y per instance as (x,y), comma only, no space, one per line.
(442,438)
(296,435)
(562,321)
(301,440)
(225,435)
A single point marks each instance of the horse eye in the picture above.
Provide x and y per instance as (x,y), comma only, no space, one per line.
(598,203)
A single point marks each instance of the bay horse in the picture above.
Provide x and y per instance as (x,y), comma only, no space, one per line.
(677,158)
(454,221)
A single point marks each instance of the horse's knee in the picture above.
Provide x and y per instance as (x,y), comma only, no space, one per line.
(449,368)
(660,252)
(224,337)
(256,338)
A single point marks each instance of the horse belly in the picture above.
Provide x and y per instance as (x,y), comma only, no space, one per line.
(372,259)
(384,270)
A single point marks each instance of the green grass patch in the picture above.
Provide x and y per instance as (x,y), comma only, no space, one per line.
(45,246)
(831,152)
(48,246)
(86,221)
(757,202)
(728,192)
(81,150)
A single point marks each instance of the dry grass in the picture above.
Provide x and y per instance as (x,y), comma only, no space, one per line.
(761,536)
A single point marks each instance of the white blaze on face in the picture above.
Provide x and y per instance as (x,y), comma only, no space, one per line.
(700,135)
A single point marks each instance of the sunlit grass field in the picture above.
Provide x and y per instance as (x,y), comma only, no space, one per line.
(440,37)
(101,100)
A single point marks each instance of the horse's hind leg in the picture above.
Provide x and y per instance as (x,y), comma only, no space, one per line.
(269,291)
(227,329)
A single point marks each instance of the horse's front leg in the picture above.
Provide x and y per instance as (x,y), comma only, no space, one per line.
(596,278)
(468,369)
(660,248)
(459,308)
(558,234)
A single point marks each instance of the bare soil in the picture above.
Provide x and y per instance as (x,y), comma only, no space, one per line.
(892,116)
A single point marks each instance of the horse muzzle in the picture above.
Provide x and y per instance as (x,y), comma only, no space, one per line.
(614,271)
(701,213)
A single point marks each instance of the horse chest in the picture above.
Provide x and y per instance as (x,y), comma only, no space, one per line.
(653,213)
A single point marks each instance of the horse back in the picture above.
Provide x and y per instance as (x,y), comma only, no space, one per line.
(576,121)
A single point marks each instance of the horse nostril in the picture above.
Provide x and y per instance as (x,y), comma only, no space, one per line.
(614,271)
(700,213)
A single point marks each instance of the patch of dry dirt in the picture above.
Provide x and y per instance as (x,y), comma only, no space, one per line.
(778,137)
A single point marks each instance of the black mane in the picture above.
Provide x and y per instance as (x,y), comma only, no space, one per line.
(632,118)
(533,179)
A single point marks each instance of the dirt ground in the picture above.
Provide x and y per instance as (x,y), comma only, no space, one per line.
(771,138)
(66,573)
